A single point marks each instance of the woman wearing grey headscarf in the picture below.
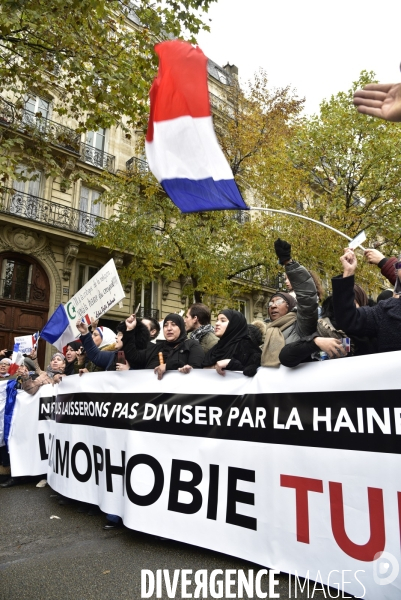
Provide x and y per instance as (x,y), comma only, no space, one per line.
(53,374)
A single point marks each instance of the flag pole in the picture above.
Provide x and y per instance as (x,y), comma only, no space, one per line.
(286,212)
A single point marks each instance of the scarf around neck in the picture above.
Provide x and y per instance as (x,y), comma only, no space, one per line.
(199,334)
(274,340)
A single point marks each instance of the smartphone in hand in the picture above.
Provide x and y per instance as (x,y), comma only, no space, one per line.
(121,358)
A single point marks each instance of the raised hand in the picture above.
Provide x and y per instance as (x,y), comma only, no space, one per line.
(381,100)
(82,327)
(373,256)
(283,251)
(130,323)
(349,262)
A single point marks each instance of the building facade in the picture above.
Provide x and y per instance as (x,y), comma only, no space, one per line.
(47,227)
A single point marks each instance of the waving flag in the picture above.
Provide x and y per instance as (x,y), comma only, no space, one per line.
(94,299)
(60,329)
(181,146)
(17,360)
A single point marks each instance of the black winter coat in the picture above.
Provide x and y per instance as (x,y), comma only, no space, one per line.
(105,360)
(188,352)
(382,321)
(246,358)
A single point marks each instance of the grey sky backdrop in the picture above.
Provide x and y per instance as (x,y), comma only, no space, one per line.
(317,47)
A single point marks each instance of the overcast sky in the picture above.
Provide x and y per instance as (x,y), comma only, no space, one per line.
(317,47)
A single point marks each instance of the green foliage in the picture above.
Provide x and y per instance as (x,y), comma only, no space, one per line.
(254,127)
(211,251)
(94,57)
(206,250)
(349,173)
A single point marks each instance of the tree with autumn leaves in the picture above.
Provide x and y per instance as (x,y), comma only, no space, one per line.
(351,167)
(338,167)
(210,252)
(95,58)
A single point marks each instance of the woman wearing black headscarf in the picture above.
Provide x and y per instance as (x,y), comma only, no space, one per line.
(74,358)
(235,350)
(175,352)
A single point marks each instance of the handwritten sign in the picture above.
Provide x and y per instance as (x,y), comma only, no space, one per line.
(26,343)
(96,297)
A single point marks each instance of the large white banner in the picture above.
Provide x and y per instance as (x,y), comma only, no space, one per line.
(297,470)
(3,395)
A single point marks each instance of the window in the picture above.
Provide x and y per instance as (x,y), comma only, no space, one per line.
(36,111)
(242,307)
(25,199)
(94,148)
(85,273)
(222,77)
(32,186)
(89,209)
(144,295)
(88,202)
(16,279)
(96,139)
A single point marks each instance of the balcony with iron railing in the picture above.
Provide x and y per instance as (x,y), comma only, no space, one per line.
(50,213)
(258,275)
(97,158)
(221,105)
(32,123)
(137,165)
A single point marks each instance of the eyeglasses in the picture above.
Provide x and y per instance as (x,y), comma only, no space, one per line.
(397,265)
(277,302)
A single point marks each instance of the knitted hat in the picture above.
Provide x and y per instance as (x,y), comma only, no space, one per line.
(291,301)
(385,295)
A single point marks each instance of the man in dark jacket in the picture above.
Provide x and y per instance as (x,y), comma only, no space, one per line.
(382,321)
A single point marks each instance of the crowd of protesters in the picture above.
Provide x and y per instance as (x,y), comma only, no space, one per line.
(300,327)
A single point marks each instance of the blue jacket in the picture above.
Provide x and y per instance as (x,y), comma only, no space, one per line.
(104,359)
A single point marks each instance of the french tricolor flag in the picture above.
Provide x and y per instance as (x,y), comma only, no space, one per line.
(181,146)
(59,329)
(17,360)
